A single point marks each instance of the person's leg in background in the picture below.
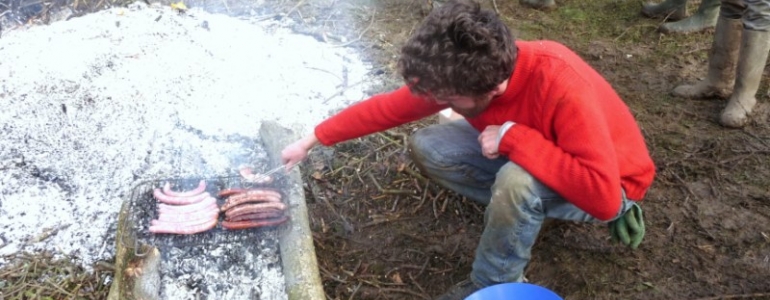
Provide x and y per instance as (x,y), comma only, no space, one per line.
(703,18)
(754,49)
(673,10)
(722,58)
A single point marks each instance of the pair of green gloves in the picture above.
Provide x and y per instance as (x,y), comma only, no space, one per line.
(629,228)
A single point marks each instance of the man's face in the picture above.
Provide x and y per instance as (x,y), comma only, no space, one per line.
(471,107)
(468,107)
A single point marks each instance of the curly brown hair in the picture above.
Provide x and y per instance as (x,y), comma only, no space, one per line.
(458,50)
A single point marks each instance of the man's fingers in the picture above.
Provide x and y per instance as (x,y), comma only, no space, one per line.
(622,231)
(633,224)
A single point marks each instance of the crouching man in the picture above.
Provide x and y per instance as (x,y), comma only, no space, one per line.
(544,135)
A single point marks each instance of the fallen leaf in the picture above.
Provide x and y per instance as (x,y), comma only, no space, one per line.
(397,278)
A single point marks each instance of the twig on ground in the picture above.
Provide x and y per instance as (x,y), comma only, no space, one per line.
(761,140)
(494,4)
(342,91)
(422,290)
(331,276)
(443,206)
(684,184)
(392,141)
(630,27)
(388,191)
(294,8)
(414,173)
(435,212)
(361,35)
(227,7)
(383,221)
(376,183)
(317,194)
(422,200)
(355,290)
(699,49)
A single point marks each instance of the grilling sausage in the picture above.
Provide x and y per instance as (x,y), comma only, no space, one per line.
(193,222)
(249,192)
(254,208)
(209,201)
(253,223)
(182,228)
(198,190)
(229,192)
(248,198)
(257,216)
(158,193)
(239,192)
(175,217)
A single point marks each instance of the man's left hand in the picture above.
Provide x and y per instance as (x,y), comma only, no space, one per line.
(488,140)
(629,228)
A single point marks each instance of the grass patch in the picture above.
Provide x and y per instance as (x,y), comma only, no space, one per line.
(43,277)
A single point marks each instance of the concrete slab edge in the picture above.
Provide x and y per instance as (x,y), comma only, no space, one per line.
(300,266)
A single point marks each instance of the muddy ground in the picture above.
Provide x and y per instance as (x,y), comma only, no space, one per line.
(382,231)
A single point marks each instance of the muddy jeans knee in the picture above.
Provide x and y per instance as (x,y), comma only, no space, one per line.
(450,154)
(512,220)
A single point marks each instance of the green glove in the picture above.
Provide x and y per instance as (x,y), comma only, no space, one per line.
(629,228)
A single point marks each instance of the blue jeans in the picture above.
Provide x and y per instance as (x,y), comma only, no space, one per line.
(516,203)
(754,13)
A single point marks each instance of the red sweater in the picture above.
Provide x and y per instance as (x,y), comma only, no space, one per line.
(573,132)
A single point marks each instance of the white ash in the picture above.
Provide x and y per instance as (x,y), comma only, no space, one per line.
(94,105)
(253,272)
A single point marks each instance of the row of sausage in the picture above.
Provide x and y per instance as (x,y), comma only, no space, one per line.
(195,210)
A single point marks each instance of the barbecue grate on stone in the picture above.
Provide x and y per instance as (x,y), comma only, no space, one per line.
(216,264)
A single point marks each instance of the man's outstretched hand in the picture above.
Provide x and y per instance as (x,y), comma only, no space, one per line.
(296,152)
(629,228)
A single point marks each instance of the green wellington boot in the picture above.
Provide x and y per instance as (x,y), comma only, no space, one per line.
(539,4)
(671,9)
(722,61)
(704,18)
(751,63)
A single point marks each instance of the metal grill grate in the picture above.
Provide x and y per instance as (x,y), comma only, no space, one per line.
(204,261)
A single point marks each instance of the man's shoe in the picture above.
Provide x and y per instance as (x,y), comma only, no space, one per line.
(460,291)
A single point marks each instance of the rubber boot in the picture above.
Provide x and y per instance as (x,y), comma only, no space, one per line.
(539,4)
(751,64)
(670,9)
(722,60)
(704,18)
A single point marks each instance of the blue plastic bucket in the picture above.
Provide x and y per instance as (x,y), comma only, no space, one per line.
(514,291)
